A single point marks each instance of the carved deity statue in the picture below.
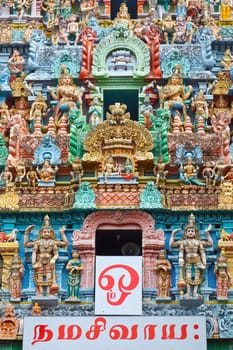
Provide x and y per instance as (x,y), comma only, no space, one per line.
(223,277)
(163,267)
(74,267)
(159,171)
(44,256)
(67,94)
(47,172)
(174,93)
(16,62)
(192,257)
(227,60)
(15,277)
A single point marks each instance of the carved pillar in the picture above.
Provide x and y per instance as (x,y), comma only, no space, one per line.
(140,6)
(151,249)
(107,7)
(7,251)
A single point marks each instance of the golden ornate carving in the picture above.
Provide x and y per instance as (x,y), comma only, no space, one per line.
(9,201)
(7,252)
(226,196)
(118,135)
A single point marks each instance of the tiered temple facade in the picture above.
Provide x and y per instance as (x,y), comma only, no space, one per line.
(116,140)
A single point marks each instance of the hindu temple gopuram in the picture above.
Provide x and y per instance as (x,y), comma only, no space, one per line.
(116,174)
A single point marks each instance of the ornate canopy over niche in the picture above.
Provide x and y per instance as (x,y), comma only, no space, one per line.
(118,135)
(152,240)
(121,41)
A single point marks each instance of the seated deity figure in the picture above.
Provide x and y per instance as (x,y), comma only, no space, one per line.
(67,94)
(16,62)
(174,93)
(169,29)
(192,257)
(45,253)
(47,172)
(72,32)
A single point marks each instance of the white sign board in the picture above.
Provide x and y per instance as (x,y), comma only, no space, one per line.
(118,285)
(114,333)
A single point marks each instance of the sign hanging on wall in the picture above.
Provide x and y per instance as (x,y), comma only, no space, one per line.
(114,333)
(118,285)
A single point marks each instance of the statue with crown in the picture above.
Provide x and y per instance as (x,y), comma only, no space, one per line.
(192,258)
(45,253)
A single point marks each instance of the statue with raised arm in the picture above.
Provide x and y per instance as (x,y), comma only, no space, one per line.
(192,257)
(45,253)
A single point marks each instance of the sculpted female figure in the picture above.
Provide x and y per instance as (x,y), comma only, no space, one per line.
(67,94)
(44,256)
(74,266)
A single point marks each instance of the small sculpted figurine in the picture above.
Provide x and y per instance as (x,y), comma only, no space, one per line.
(47,172)
(174,93)
(15,277)
(163,269)
(192,257)
(16,62)
(44,256)
(74,267)
(6,177)
(223,276)
(32,177)
(169,29)
(159,171)
(68,95)
(20,172)
(227,60)
(72,32)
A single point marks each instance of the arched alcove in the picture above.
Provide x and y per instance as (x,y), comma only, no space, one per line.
(152,240)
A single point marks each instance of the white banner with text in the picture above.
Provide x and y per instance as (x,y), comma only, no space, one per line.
(114,333)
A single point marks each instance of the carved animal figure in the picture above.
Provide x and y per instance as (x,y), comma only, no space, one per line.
(226,236)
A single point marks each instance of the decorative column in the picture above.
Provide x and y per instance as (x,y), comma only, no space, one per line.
(7,252)
(107,7)
(140,6)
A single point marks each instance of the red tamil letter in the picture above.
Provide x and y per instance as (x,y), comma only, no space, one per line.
(41,334)
(149,331)
(119,331)
(168,332)
(98,326)
(68,333)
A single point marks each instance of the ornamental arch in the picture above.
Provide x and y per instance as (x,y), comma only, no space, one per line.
(85,240)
